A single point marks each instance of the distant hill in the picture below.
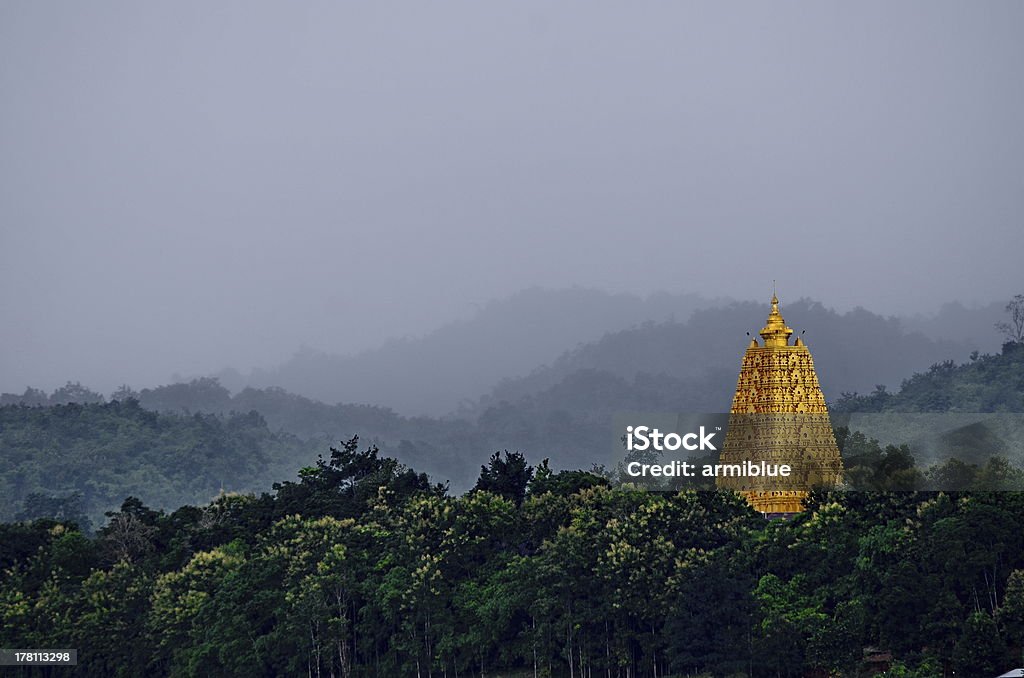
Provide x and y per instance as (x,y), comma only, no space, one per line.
(531,341)
(459,362)
(986,383)
(853,351)
(969,413)
(87,458)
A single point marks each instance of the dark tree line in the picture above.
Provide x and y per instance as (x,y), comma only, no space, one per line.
(362,567)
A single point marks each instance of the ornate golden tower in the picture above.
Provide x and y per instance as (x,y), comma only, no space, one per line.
(779,416)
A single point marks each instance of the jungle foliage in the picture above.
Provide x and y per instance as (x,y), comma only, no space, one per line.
(362,567)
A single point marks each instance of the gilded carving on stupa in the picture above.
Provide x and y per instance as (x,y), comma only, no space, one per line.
(779,416)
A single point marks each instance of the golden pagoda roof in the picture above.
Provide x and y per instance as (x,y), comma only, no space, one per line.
(779,415)
(775,332)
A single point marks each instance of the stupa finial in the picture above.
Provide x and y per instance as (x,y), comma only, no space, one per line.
(775,332)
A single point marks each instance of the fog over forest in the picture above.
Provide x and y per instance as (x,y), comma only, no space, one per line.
(325,327)
(185,191)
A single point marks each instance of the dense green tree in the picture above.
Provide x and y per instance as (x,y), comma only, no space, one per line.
(507,477)
(979,652)
(74,392)
(869,466)
(1011,614)
(564,483)
(345,485)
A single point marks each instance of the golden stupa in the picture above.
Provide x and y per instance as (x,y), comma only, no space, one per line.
(779,416)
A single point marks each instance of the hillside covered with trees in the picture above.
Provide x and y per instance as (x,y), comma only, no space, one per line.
(78,460)
(987,383)
(183,443)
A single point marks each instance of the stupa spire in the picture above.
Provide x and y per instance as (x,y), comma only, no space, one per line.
(775,333)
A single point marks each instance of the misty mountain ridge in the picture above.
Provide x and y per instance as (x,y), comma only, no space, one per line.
(457,363)
(853,351)
(463,368)
(528,342)
(955,321)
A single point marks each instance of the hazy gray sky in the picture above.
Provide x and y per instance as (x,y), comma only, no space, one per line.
(186,186)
